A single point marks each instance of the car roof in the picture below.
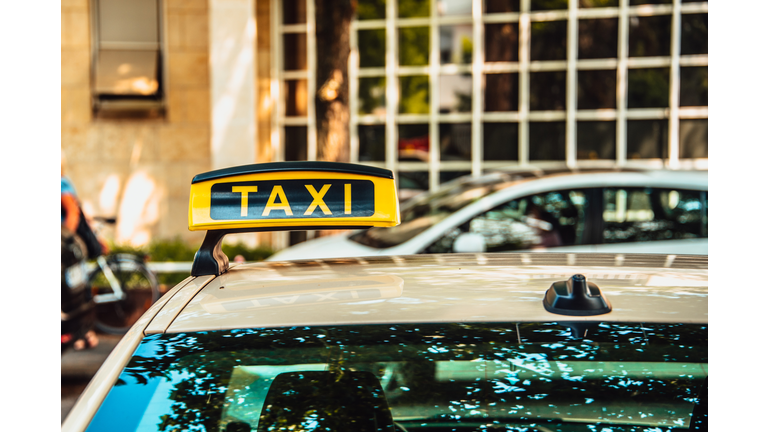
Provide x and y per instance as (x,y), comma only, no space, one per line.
(494,287)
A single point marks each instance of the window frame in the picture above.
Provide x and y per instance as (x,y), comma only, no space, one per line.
(117,104)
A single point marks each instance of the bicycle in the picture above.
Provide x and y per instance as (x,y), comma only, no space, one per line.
(123,289)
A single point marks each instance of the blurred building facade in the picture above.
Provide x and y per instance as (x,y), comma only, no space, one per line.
(156,91)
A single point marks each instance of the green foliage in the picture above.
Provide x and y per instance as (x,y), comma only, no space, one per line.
(648,88)
(259,253)
(414,46)
(414,94)
(177,250)
(413,8)
(371,9)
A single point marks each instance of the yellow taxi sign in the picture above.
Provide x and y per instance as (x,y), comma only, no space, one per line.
(293,195)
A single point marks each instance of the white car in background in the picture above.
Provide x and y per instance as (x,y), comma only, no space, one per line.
(605,211)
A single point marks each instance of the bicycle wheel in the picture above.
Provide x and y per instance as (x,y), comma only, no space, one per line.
(139,285)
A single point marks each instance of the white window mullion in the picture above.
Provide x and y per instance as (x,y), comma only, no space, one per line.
(477,87)
(392,98)
(621,84)
(353,68)
(571,83)
(674,89)
(311,82)
(434,97)
(276,85)
(524,58)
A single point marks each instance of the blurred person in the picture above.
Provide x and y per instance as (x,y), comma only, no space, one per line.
(545,226)
(74,222)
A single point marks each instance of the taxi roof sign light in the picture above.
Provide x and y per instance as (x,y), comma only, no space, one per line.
(286,196)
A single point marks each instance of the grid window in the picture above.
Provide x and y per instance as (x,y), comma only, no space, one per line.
(551,82)
(650,36)
(547,141)
(549,40)
(597,89)
(547,91)
(647,139)
(502,92)
(502,6)
(598,38)
(500,141)
(693,138)
(596,140)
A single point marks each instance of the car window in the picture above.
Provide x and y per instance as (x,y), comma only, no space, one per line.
(647,214)
(423,377)
(543,220)
(430,209)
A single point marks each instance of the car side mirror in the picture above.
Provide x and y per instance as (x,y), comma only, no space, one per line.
(469,243)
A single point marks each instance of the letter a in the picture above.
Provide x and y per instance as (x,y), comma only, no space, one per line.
(317,200)
(284,205)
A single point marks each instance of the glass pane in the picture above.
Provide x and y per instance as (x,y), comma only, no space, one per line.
(455,93)
(372,47)
(371,9)
(501,92)
(414,46)
(643,2)
(547,141)
(372,95)
(548,4)
(598,38)
(650,36)
(455,141)
(412,8)
(296,237)
(413,142)
(500,141)
(648,88)
(598,3)
(693,86)
(410,183)
(596,140)
(446,176)
(547,91)
(534,222)
(501,42)
(295,51)
(454,7)
(694,34)
(693,138)
(596,89)
(649,214)
(647,139)
(549,40)
(414,94)
(296,98)
(294,11)
(295,143)
(456,44)
(501,6)
(372,144)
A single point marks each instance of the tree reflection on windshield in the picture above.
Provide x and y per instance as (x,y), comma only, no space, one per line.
(433,376)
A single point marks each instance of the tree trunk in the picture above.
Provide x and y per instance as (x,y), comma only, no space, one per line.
(333,19)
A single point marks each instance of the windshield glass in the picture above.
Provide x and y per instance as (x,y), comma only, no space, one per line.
(427,210)
(422,377)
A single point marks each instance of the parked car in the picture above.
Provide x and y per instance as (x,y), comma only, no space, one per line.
(611,211)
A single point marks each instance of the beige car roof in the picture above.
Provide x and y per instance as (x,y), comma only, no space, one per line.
(487,287)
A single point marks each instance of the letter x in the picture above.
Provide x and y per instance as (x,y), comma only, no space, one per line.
(317,200)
